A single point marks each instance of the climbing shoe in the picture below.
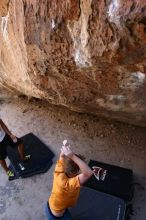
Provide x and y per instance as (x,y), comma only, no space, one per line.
(27,158)
(10,173)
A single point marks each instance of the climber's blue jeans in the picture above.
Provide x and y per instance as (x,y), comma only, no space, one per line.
(50,216)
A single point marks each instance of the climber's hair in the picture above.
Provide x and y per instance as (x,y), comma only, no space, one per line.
(70,167)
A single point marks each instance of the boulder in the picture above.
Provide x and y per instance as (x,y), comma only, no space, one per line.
(87,55)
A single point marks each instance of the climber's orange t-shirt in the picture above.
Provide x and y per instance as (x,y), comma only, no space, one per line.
(65,191)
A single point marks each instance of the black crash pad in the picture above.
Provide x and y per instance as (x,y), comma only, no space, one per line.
(98,205)
(41,157)
(118,181)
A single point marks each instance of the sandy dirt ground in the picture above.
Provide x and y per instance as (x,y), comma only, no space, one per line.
(107,141)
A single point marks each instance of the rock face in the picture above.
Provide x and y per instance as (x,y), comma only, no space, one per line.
(87,55)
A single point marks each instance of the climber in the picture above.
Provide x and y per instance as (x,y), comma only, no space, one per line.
(7,138)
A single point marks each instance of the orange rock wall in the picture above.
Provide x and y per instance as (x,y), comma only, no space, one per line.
(87,55)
